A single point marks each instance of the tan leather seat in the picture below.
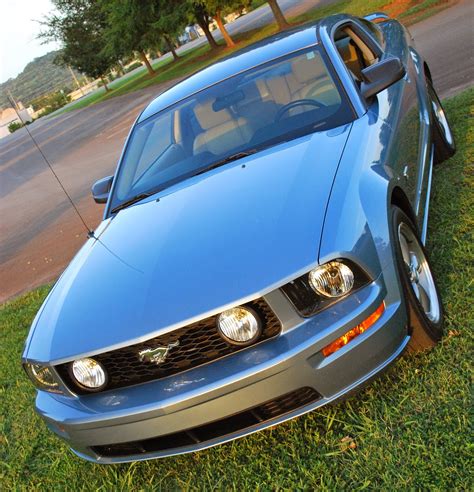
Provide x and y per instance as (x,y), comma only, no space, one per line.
(312,81)
(348,53)
(308,79)
(256,107)
(278,89)
(221,132)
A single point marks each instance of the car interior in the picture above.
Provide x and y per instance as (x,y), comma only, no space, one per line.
(257,108)
(355,54)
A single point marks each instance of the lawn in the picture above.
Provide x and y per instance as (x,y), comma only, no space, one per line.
(192,60)
(410,429)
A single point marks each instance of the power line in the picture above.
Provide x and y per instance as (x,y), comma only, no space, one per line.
(90,233)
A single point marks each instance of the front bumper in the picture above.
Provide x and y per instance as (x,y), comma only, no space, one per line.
(233,385)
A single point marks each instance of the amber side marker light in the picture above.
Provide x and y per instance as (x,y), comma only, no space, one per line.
(356,331)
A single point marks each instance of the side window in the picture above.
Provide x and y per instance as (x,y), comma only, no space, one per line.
(354,51)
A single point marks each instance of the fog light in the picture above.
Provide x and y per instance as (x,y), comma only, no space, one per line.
(239,326)
(89,373)
(333,279)
(351,334)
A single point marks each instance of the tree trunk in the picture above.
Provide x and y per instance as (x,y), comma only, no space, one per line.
(204,25)
(228,40)
(104,83)
(278,14)
(171,48)
(146,62)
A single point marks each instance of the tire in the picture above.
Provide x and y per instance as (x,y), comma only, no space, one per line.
(443,139)
(424,306)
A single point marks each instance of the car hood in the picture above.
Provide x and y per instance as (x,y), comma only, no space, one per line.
(213,241)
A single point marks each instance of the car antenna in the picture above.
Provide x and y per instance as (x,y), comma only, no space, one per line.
(90,233)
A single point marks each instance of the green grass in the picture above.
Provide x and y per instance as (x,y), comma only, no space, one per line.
(410,428)
(197,58)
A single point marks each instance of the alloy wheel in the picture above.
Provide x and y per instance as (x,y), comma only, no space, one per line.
(419,272)
(440,116)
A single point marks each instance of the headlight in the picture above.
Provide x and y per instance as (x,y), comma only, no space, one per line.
(333,279)
(239,326)
(324,285)
(89,373)
(42,377)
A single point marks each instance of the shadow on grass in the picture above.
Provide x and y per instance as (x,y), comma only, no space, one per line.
(451,211)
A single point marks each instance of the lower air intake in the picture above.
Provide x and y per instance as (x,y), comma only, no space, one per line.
(219,428)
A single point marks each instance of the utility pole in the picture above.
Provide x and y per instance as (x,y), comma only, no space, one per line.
(12,101)
(75,79)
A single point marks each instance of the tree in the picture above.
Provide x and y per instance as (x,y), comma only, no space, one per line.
(52,101)
(278,14)
(130,28)
(198,13)
(171,19)
(79,25)
(218,6)
(216,9)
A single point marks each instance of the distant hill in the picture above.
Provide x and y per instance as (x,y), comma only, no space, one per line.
(39,77)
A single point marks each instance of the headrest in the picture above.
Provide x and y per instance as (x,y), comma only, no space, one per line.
(208,118)
(305,69)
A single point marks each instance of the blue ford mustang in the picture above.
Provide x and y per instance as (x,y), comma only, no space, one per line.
(261,252)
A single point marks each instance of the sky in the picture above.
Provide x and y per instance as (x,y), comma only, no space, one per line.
(18,29)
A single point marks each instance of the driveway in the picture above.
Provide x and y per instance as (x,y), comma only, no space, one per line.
(39,232)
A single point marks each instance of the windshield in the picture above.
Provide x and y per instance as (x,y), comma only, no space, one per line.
(261,107)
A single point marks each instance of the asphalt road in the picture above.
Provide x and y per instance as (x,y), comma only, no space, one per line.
(446,40)
(39,232)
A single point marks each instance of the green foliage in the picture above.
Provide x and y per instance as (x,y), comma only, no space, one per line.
(409,430)
(225,6)
(80,26)
(130,26)
(39,77)
(14,126)
(197,12)
(255,4)
(171,18)
(52,102)
(133,66)
(198,58)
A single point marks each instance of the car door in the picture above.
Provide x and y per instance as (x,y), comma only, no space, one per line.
(361,45)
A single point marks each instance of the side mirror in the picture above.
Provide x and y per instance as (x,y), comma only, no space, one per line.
(101,189)
(381,75)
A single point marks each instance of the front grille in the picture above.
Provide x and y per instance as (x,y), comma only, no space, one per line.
(199,343)
(219,428)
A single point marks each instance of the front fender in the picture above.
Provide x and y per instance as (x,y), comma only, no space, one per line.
(357,222)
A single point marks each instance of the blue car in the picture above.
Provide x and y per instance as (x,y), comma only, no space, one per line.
(261,252)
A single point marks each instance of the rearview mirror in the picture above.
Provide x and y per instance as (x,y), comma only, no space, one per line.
(381,75)
(101,189)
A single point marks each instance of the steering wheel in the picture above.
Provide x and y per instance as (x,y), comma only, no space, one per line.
(295,104)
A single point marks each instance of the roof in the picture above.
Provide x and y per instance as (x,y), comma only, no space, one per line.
(256,54)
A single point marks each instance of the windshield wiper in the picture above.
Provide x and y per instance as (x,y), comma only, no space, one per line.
(141,196)
(132,200)
(230,158)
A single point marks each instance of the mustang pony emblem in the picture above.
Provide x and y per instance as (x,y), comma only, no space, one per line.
(156,355)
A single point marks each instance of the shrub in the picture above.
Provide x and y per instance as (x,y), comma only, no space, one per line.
(133,66)
(14,126)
